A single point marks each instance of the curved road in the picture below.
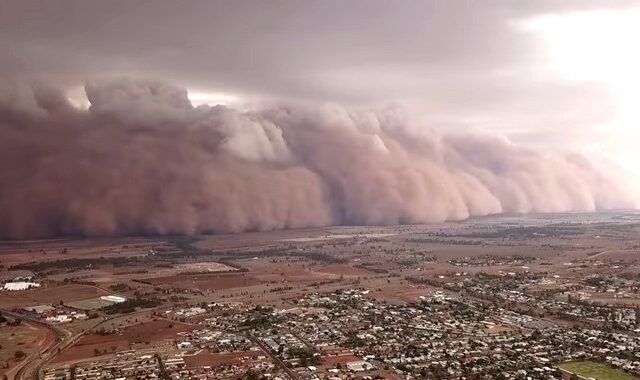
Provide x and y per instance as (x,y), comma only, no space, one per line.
(30,368)
(26,364)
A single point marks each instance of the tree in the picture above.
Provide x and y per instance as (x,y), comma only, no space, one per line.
(250,375)
(19,354)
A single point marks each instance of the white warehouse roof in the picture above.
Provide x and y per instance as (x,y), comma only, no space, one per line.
(21,285)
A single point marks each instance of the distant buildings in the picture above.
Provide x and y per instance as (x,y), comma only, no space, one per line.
(20,283)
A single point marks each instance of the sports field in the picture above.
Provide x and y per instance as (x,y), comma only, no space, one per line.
(598,371)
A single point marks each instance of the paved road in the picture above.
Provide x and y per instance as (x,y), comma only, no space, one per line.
(276,359)
(30,369)
(26,366)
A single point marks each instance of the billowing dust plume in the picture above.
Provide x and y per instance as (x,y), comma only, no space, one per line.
(143,160)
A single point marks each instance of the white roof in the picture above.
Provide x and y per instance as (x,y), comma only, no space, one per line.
(21,285)
(112,298)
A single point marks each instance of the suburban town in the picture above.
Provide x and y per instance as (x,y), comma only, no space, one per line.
(489,299)
(319,190)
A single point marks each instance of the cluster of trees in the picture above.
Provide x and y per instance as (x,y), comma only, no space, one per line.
(307,356)
(321,256)
(596,281)
(19,354)
(15,322)
(130,305)
(525,232)
(76,263)
(250,375)
(120,287)
(260,317)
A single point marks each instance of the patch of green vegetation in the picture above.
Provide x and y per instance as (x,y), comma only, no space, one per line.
(598,371)
(130,305)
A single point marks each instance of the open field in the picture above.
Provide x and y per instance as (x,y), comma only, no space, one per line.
(340,270)
(618,254)
(19,252)
(49,294)
(254,239)
(27,338)
(210,266)
(206,281)
(213,359)
(89,304)
(330,361)
(335,236)
(598,371)
(142,335)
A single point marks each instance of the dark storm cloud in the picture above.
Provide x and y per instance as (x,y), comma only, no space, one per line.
(142,159)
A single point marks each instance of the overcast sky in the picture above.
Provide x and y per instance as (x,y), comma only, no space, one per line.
(547,73)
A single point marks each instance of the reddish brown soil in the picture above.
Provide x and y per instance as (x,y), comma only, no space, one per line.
(254,239)
(207,359)
(618,254)
(142,333)
(48,250)
(332,360)
(28,337)
(206,281)
(341,270)
(48,295)
(293,275)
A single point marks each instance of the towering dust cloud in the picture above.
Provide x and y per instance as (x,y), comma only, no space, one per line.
(142,159)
